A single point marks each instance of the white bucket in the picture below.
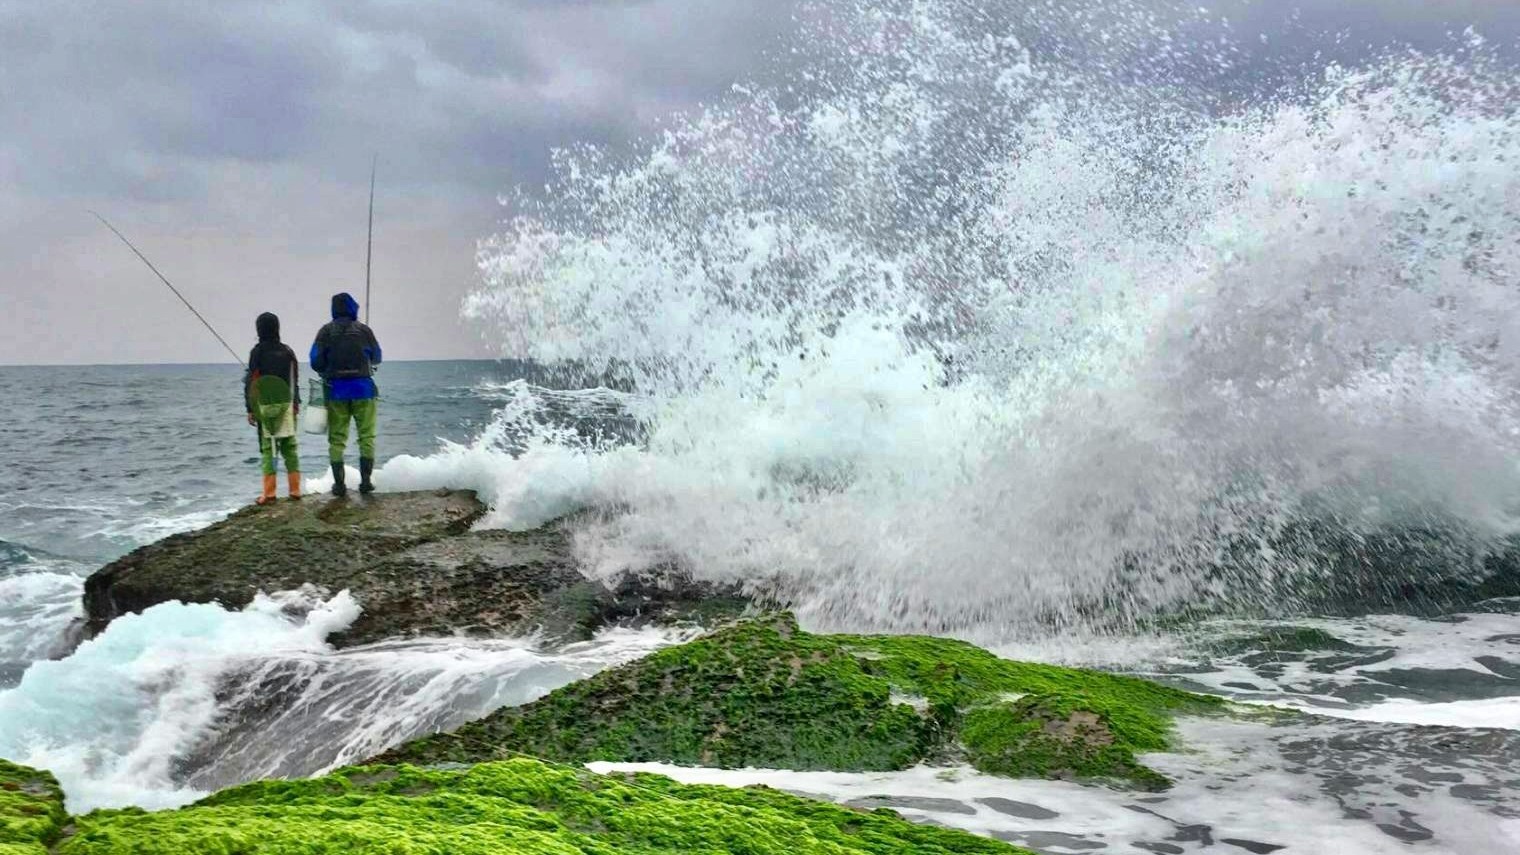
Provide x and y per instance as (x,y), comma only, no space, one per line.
(314,418)
(314,414)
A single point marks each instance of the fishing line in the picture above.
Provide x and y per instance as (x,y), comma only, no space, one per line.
(369,246)
(165,280)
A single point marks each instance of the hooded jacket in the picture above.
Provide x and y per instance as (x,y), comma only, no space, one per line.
(346,352)
(270,358)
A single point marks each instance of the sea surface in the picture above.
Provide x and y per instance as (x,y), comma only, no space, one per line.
(107,458)
(155,711)
(1045,326)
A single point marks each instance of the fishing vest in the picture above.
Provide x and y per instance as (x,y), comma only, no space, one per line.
(346,356)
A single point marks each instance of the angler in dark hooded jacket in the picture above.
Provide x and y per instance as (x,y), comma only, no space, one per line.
(272,394)
(345,354)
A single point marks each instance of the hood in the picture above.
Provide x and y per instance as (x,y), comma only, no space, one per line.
(344,306)
(268,325)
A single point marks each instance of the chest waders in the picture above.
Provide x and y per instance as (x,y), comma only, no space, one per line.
(365,416)
(347,351)
(274,415)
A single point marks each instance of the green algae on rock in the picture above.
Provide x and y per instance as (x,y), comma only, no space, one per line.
(31,810)
(331,544)
(759,693)
(513,807)
(764,693)
(1021,719)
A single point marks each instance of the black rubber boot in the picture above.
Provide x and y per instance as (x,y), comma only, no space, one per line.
(366,467)
(339,489)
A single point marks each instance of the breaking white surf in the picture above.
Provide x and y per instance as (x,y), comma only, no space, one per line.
(170,704)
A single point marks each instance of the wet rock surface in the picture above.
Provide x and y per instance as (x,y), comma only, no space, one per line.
(410,559)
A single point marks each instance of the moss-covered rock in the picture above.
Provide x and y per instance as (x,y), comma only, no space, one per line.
(764,693)
(31,810)
(514,807)
(759,693)
(411,561)
(1284,639)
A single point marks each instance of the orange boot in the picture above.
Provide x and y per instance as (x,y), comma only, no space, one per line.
(293,479)
(269,488)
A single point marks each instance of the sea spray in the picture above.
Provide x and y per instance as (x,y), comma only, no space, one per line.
(184,699)
(313,711)
(38,612)
(529,464)
(962,328)
(111,720)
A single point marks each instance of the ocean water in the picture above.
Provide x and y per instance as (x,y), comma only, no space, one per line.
(1034,324)
(174,703)
(104,459)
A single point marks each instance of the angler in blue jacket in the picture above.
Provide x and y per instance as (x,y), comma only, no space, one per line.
(345,354)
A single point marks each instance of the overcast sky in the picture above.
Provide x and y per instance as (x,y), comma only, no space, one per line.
(232,141)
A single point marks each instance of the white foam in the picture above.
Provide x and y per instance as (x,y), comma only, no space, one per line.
(1275,812)
(178,701)
(144,529)
(1450,644)
(527,471)
(346,706)
(1233,783)
(36,610)
(1409,661)
(523,492)
(111,719)
(1503,713)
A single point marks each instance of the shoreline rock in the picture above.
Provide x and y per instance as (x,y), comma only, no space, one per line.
(31,810)
(412,562)
(763,693)
(513,807)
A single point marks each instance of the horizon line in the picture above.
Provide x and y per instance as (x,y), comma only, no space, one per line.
(223,362)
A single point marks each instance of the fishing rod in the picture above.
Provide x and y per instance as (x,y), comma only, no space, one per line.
(164,279)
(369,246)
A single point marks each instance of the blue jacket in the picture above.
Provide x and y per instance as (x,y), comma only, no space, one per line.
(345,353)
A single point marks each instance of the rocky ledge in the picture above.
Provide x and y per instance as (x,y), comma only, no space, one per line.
(411,560)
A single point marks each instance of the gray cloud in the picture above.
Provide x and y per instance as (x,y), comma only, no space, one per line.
(233,139)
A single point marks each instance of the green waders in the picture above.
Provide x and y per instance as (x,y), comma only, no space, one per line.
(285,446)
(364,415)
